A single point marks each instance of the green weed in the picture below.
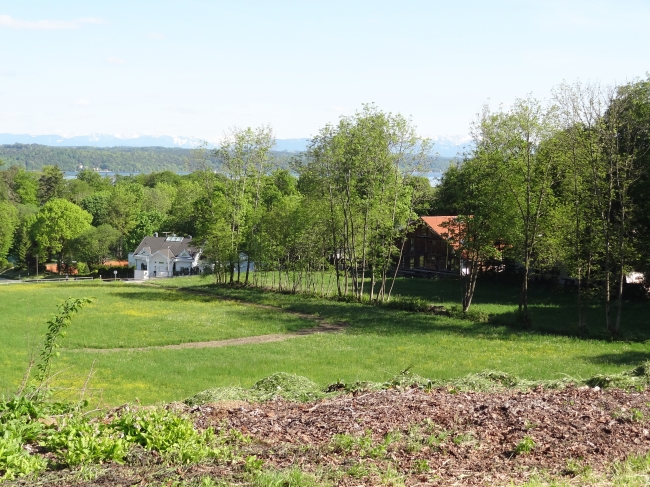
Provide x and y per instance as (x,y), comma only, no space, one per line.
(526,445)
(77,441)
(421,466)
(288,478)
(15,461)
(576,467)
(343,443)
(252,463)
(167,433)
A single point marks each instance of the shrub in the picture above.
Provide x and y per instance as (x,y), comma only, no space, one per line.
(473,314)
(408,303)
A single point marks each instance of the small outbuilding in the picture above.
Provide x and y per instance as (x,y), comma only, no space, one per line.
(165,257)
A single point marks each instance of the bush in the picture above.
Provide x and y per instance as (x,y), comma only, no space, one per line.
(473,314)
(408,303)
(106,271)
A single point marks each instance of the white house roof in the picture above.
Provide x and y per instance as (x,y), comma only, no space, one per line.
(174,245)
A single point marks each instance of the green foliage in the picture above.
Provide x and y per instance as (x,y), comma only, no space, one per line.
(76,190)
(25,185)
(146,223)
(526,445)
(8,223)
(421,465)
(293,477)
(122,159)
(475,315)
(638,377)
(167,433)
(95,245)
(50,184)
(94,180)
(58,222)
(19,425)
(56,329)
(78,441)
(97,205)
(15,461)
(123,205)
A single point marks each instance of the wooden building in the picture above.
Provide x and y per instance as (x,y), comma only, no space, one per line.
(427,249)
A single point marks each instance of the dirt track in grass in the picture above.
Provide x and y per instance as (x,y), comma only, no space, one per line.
(321,327)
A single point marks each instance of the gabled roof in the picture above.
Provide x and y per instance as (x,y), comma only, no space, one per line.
(166,252)
(175,245)
(435,223)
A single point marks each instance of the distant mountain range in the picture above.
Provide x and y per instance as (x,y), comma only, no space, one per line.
(446,146)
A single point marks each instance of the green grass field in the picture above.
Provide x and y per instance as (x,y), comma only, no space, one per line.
(379,343)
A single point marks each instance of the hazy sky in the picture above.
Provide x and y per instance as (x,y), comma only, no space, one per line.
(197,67)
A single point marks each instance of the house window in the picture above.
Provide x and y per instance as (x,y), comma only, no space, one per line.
(412,244)
(411,262)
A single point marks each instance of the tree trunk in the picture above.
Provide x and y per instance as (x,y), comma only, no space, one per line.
(523,300)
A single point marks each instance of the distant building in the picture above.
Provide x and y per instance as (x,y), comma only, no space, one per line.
(165,257)
(427,249)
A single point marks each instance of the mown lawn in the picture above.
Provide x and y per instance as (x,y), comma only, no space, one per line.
(379,343)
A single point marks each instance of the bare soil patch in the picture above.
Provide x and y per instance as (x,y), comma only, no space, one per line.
(420,438)
(477,433)
(277,337)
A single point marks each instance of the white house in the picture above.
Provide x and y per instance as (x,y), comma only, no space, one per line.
(165,257)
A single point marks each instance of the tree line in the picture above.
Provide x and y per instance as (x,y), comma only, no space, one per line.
(559,187)
(555,187)
(34,157)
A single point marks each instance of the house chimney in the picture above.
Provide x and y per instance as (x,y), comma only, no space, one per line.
(155,234)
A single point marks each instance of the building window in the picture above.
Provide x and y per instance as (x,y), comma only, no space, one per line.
(412,244)
(411,262)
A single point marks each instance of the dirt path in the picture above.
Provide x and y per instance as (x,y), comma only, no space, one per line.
(322,327)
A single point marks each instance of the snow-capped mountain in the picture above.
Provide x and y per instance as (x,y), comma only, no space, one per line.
(102,140)
(451,145)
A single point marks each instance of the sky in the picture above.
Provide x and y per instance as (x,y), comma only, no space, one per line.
(198,67)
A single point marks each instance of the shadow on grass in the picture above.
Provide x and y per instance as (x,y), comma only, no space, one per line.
(628,357)
(364,319)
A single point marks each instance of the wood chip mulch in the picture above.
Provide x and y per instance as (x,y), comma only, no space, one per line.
(477,433)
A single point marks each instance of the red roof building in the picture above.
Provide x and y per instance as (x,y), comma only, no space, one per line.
(427,248)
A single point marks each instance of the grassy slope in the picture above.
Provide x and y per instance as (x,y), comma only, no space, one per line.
(379,343)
